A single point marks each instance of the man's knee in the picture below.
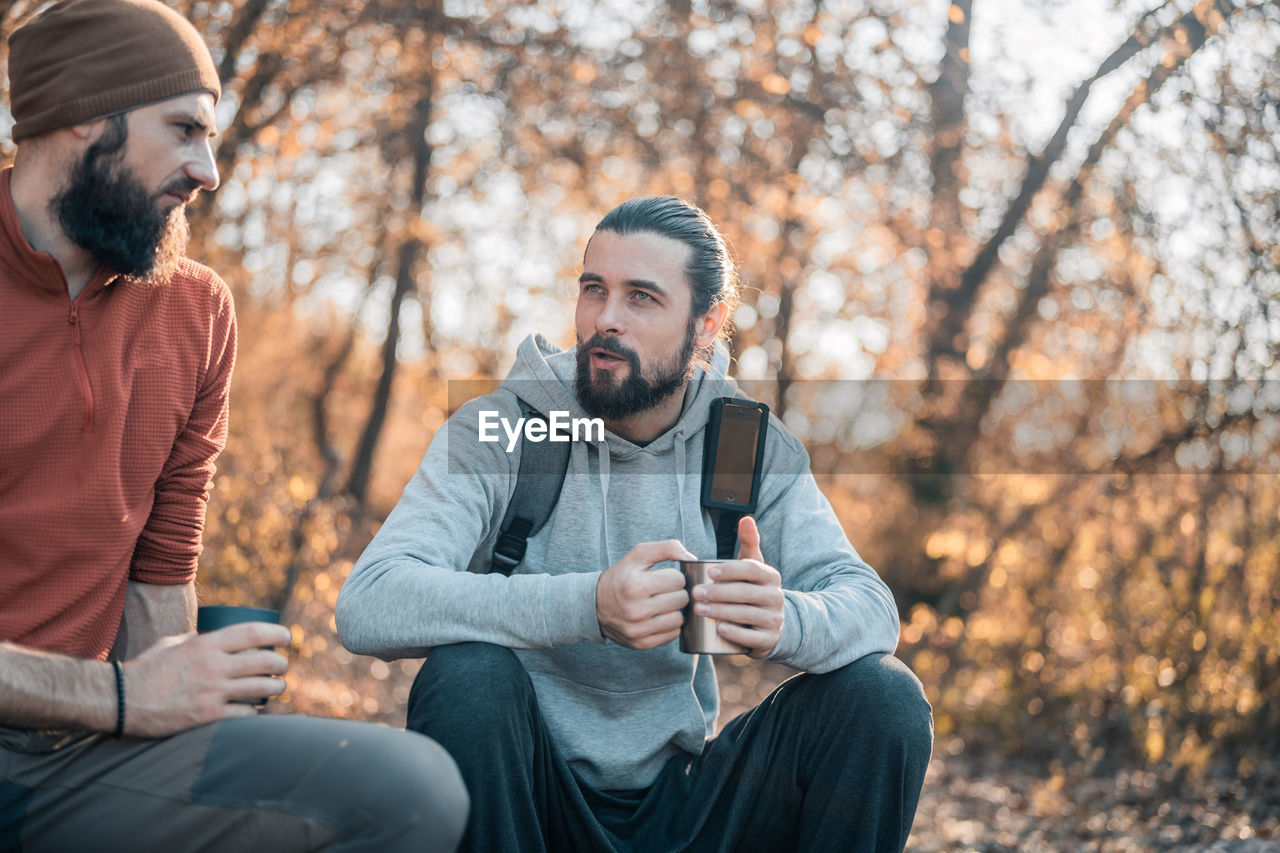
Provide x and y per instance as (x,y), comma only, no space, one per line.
(374,787)
(469,682)
(879,693)
(418,788)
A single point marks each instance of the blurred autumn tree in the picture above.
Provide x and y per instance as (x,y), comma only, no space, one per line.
(965,301)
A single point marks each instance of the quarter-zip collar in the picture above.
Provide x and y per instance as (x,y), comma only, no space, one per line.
(43,271)
(39,268)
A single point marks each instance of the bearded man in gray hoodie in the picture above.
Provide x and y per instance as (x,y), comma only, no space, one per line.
(560,690)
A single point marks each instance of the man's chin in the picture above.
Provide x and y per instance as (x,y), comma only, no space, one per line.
(599,399)
(171,250)
(607,380)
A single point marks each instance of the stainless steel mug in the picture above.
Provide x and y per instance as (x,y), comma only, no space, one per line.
(698,635)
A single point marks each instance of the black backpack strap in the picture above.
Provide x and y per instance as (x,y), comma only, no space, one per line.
(538,483)
(726,533)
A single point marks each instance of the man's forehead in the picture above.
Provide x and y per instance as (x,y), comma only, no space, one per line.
(643,255)
(194,105)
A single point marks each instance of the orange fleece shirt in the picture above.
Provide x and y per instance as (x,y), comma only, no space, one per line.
(112,410)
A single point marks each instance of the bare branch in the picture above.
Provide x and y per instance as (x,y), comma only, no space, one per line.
(947,98)
(958,301)
(1039,280)
(242,28)
(1194,428)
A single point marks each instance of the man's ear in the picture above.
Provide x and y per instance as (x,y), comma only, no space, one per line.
(709,324)
(65,144)
(90,130)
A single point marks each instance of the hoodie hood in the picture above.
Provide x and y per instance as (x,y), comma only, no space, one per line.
(543,376)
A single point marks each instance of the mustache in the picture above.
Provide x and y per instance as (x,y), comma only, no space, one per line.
(598,341)
(182,186)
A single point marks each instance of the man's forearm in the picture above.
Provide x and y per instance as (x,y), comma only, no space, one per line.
(152,611)
(397,609)
(44,690)
(824,629)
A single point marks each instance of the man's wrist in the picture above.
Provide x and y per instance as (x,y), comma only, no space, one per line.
(92,705)
(118,730)
(599,624)
(790,636)
(100,714)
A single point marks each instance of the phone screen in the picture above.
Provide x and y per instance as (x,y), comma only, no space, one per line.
(735,454)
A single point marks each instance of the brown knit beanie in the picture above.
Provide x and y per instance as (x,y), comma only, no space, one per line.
(82,60)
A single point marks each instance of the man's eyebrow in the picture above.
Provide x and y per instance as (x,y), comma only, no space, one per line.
(639,283)
(643,284)
(191,118)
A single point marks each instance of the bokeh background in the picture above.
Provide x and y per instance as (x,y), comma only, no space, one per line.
(1009,269)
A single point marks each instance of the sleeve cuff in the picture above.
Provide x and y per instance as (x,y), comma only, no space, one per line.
(789,641)
(163,575)
(569,609)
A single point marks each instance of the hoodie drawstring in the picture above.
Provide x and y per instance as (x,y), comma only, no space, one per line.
(680,480)
(604,502)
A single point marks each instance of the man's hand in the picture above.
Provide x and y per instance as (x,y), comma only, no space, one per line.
(189,680)
(638,606)
(746,600)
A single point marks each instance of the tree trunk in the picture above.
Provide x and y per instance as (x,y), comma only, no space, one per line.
(410,250)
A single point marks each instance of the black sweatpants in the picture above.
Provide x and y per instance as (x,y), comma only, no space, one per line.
(826,762)
(267,783)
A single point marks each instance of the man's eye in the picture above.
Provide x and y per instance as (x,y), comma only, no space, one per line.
(642,296)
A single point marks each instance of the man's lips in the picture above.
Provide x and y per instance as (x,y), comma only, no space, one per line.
(180,197)
(606,360)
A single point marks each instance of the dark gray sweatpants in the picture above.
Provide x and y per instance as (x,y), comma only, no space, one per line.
(271,783)
(830,762)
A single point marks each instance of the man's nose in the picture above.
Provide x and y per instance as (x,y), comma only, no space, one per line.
(609,320)
(203,168)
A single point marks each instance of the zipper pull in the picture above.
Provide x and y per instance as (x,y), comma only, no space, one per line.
(86,389)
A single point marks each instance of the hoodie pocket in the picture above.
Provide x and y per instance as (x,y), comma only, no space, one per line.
(619,739)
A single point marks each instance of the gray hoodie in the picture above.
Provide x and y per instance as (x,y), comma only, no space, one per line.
(615,713)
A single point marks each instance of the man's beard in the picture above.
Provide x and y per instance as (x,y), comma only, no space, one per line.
(614,400)
(105,210)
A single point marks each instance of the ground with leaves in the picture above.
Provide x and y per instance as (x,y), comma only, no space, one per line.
(987,802)
(979,803)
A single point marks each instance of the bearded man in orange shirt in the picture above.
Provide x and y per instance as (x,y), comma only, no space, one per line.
(119,727)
